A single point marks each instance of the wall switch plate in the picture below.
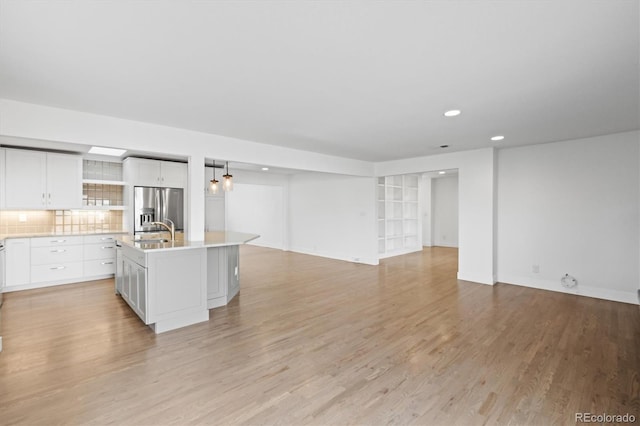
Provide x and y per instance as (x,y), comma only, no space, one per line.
(535,269)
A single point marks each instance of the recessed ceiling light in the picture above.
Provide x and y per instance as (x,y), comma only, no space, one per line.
(497,138)
(265,168)
(107,151)
(452,113)
(442,172)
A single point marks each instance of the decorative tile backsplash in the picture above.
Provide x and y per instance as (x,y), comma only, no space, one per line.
(59,221)
(101,195)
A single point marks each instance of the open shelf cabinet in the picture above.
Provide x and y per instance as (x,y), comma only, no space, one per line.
(399,226)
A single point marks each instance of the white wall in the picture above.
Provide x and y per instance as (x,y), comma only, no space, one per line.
(445,211)
(476,186)
(333,216)
(257,209)
(20,119)
(571,207)
(260,201)
(24,120)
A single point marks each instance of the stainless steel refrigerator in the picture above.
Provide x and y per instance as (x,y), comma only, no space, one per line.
(156,205)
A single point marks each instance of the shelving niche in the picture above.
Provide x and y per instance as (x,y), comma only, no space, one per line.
(102,185)
(399,227)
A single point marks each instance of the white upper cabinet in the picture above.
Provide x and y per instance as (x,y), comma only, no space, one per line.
(40,180)
(144,172)
(174,175)
(25,179)
(64,181)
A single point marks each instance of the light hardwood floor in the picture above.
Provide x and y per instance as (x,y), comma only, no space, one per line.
(317,341)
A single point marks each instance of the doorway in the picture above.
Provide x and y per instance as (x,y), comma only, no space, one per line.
(439,208)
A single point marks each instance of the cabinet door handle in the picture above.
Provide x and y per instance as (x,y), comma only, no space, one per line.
(107,247)
(57,268)
(58,251)
(106,239)
(58,241)
(43,199)
(107,263)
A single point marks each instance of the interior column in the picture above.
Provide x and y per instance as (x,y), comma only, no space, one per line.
(195,199)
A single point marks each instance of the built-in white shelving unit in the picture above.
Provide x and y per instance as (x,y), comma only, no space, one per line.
(399,227)
(102,185)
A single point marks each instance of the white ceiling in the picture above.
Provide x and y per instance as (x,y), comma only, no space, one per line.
(365,80)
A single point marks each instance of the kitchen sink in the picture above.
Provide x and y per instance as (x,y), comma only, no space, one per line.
(152,241)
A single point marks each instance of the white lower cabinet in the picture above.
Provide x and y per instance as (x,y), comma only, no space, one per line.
(134,284)
(43,261)
(99,254)
(223,281)
(18,261)
(55,259)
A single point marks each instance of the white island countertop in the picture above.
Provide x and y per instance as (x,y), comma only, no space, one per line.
(211,239)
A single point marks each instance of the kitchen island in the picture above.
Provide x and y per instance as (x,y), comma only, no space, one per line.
(172,284)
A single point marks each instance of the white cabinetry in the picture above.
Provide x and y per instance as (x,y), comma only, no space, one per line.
(56,259)
(223,275)
(18,261)
(99,255)
(134,285)
(145,172)
(42,180)
(45,261)
(399,226)
(165,289)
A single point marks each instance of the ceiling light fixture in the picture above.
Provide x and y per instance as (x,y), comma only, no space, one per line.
(497,138)
(227,183)
(452,113)
(265,169)
(213,183)
(114,152)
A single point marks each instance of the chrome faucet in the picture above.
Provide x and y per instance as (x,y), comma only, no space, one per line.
(171,229)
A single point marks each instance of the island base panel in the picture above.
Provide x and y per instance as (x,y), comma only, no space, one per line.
(183,321)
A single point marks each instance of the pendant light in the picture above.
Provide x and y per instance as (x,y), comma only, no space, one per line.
(213,183)
(227,183)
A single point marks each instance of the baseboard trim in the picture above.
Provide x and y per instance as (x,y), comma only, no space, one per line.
(490,280)
(32,286)
(366,261)
(399,253)
(579,290)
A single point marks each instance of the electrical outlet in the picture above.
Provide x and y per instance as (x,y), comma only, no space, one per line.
(535,269)
(22,217)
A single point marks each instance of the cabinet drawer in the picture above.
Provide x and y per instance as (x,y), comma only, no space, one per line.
(100,239)
(54,255)
(100,251)
(57,272)
(99,267)
(56,241)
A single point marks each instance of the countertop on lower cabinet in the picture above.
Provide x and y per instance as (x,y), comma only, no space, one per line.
(174,284)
